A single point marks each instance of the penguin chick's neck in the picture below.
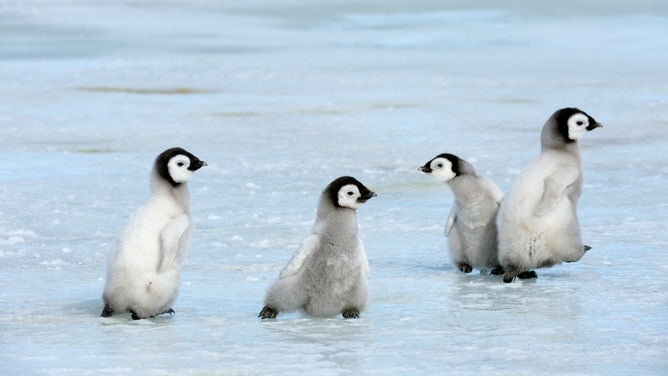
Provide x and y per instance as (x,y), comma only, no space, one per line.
(465,189)
(178,193)
(335,221)
(552,138)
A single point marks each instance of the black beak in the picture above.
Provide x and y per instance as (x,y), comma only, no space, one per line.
(197,165)
(591,127)
(366,196)
(425,169)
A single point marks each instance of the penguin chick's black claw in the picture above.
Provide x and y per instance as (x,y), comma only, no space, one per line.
(529,274)
(351,313)
(466,268)
(170,311)
(496,271)
(267,313)
(107,311)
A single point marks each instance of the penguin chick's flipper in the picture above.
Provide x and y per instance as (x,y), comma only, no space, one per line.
(351,313)
(170,236)
(555,185)
(107,311)
(464,267)
(529,274)
(586,248)
(268,313)
(308,246)
(452,218)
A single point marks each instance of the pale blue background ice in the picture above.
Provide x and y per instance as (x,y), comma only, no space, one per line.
(284,96)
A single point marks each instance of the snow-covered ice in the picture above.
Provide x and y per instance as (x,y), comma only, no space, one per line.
(280,99)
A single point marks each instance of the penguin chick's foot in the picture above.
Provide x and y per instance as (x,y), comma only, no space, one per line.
(351,313)
(464,267)
(509,273)
(107,311)
(170,311)
(496,271)
(267,313)
(135,316)
(529,274)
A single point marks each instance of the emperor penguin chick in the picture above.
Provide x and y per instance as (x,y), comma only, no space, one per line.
(143,272)
(537,220)
(328,273)
(471,226)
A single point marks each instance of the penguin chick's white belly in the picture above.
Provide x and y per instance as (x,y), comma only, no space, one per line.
(134,281)
(335,281)
(529,240)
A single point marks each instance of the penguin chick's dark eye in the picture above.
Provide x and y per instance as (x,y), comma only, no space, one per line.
(439,165)
(350,193)
(180,164)
(579,123)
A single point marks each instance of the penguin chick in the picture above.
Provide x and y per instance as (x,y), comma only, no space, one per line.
(471,225)
(537,221)
(143,271)
(328,273)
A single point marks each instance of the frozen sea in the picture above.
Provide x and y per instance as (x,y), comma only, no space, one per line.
(280,98)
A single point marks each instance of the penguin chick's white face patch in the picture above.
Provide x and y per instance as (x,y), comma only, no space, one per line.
(178,168)
(577,125)
(348,196)
(441,169)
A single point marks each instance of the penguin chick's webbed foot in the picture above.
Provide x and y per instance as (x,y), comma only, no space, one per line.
(351,313)
(464,267)
(107,311)
(509,273)
(170,311)
(496,271)
(268,313)
(529,274)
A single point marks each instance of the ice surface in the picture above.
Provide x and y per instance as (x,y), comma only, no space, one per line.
(280,99)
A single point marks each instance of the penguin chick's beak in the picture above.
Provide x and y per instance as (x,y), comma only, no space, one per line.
(425,169)
(197,165)
(367,196)
(591,127)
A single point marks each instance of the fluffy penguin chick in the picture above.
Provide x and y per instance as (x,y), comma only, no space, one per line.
(143,271)
(537,220)
(471,226)
(328,274)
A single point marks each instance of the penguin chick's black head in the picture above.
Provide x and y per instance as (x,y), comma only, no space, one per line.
(162,165)
(573,122)
(332,190)
(430,166)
